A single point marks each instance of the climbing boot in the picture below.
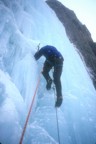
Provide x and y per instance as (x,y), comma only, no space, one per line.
(58,101)
(48,86)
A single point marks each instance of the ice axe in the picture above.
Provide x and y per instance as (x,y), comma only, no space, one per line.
(38,46)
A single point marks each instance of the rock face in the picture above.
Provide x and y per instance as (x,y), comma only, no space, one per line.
(78,34)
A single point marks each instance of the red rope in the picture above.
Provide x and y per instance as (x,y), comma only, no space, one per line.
(24,129)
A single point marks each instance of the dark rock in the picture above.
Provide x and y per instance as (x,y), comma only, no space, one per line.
(78,34)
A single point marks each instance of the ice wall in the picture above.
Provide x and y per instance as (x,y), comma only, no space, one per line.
(23,25)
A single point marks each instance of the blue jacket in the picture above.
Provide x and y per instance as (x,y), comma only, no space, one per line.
(50,52)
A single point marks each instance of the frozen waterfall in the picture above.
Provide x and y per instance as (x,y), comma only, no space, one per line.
(23,25)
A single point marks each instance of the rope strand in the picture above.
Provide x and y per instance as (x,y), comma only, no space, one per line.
(57,126)
(24,129)
(58,132)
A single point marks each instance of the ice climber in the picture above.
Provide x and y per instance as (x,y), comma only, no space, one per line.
(53,59)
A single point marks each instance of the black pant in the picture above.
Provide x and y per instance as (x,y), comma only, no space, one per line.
(56,74)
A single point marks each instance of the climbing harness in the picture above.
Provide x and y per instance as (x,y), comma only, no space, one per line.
(58,131)
(29,112)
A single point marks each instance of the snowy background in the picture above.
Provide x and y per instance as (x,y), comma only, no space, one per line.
(23,25)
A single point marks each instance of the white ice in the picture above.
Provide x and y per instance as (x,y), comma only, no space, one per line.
(23,25)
